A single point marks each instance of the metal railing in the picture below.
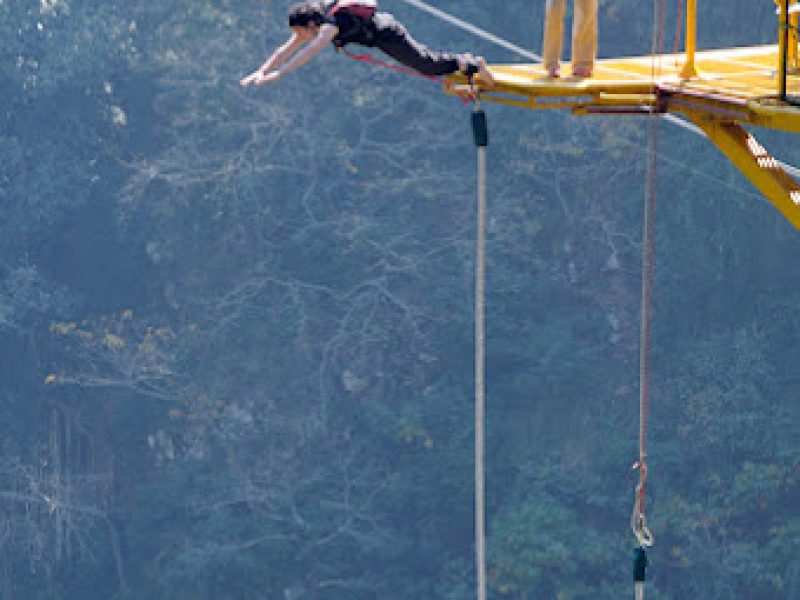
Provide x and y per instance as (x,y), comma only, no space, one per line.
(689,68)
(788,55)
(788,63)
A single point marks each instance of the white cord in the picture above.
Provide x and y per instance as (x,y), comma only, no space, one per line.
(792,170)
(481,33)
(480,379)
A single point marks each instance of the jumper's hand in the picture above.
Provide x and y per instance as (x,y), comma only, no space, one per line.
(260,78)
(245,81)
(269,77)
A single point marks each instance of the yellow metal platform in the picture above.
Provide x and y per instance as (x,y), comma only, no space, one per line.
(734,88)
(740,84)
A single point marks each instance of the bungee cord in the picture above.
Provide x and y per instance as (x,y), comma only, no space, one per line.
(481,138)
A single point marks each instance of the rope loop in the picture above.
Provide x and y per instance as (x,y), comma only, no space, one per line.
(641,531)
(638,517)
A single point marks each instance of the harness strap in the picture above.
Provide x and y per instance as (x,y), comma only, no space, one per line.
(363,10)
(466,97)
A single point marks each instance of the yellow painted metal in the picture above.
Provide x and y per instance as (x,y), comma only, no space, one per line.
(794,39)
(734,88)
(753,160)
(737,84)
(689,70)
(792,19)
(783,24)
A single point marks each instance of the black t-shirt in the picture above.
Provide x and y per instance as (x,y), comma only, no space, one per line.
(352,29)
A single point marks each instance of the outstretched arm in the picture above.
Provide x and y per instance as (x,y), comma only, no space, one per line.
(280,56)
(324,36)
(326,33)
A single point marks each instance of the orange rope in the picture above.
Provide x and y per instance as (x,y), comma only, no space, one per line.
(466,97)
(639,520)
(678,27)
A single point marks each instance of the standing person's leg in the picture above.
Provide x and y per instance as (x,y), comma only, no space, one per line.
(553,36)
(584,38)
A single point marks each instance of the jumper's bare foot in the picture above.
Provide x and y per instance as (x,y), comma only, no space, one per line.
(554,72)
(582,72)
(483,71)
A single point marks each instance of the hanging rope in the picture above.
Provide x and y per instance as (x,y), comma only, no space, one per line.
(480,134)
(644,537)
(678,28)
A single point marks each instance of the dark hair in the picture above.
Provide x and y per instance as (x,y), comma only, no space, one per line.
(303,14)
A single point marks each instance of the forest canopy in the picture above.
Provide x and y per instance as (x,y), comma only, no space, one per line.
(236,332)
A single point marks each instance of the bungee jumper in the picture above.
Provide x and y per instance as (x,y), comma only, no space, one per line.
(316,24)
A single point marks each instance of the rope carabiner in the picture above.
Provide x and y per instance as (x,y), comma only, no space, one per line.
(643,535)
(638,518)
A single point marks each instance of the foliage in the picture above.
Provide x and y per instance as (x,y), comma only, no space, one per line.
(236,325)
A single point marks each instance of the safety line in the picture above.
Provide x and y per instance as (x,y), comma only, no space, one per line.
(791,169)
(678,27)
(638,515)
(481,33)
(684,124)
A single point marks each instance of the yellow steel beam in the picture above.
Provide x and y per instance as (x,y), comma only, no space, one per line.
(760,112)
(775,116)
(752,159)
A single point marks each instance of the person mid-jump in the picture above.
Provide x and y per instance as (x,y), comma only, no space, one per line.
(316,24)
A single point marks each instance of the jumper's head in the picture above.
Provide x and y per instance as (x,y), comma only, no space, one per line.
(305,14)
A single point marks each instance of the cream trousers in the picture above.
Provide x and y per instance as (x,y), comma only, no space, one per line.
(584,33)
